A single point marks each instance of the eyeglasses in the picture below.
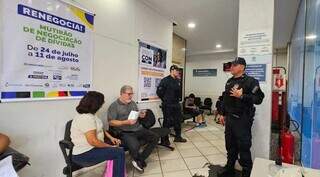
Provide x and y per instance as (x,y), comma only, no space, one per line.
(130,94)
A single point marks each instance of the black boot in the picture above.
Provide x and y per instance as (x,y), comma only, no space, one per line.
(227,172)
(245,172)
(165,141)
(179,139)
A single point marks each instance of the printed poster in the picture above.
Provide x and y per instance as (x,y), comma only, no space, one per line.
(47,50)
(152,65)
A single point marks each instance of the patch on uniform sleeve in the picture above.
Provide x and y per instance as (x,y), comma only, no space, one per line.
(255,89)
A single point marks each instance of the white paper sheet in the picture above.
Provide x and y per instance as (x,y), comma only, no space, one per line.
(6,168)
(133,115)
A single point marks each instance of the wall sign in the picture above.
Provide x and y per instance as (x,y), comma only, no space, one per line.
(258,71)
(204,72)
(152,65)
(48,50)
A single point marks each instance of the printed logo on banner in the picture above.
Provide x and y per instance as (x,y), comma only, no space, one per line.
(86,85)
(146,56)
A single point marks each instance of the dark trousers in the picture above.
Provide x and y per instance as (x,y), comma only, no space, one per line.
(132,140)
(98,155)
(238,141)
(172,118)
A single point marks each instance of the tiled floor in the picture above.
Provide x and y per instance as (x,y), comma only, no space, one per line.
(204,145)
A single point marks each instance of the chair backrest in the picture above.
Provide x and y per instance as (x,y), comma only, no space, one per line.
(67,132)
(207,101)
(183,106)
(197,101)
(149,120)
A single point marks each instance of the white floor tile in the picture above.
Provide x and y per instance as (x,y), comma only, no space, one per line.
(173,165)
(195,162)
(217,159)
(186,145)
(200,144)
(192,152)
(166,155)
(184,173)
(154,175)
(217,142)
(209,150)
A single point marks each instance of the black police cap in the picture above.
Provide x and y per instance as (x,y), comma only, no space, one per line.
(239,61)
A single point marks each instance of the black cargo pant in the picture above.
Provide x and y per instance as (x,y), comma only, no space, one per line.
(132,140)
(172,118)
(238,140)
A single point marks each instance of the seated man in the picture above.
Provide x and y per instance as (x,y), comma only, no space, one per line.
(4,143)
(131,131)
(191,108)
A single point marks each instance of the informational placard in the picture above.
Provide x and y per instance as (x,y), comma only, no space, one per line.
(47,50)
(204,72)
(152,65)
(255,43)
(258,71)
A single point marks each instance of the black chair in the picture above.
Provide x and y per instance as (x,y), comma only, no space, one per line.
(185,115)
(66,147)
(149,121)
(207,105)
(197,101)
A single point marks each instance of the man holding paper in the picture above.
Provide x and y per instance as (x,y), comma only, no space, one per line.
(123,115)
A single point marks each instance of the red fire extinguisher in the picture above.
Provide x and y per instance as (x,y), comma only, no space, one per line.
(287,147)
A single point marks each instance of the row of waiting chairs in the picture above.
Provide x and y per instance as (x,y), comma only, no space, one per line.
(206,105)
(66,144)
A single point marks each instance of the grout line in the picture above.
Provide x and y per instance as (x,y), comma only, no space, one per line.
(160,162)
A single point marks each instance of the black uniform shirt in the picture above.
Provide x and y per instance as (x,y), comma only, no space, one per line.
(252,94)
(169,90)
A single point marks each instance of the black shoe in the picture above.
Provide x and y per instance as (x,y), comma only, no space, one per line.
(165,143)
(144,164)
(227,172)
(180,140)
(137,165)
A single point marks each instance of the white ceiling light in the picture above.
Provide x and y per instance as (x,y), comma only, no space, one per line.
(191,25)
(218,46)
(311,36)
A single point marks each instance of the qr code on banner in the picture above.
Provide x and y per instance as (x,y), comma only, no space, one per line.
(157,81)
(147,82)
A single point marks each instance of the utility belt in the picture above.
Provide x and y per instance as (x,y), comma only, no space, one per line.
(250,112)
(171,105)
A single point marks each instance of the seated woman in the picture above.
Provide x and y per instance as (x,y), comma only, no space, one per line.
(4,143)
(192,109)
(87,135)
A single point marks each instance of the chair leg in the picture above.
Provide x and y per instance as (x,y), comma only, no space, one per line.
(70,172)
(167,146)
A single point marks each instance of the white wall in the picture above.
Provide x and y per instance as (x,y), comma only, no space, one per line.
(280,60)
(36,127)
(207,86)
(261,15)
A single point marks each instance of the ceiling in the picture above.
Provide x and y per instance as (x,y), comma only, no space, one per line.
(217,22)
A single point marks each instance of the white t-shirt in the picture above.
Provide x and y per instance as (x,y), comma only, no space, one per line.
(81,124)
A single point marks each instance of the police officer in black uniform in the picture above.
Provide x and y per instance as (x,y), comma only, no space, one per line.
(169,92)
(241,93)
